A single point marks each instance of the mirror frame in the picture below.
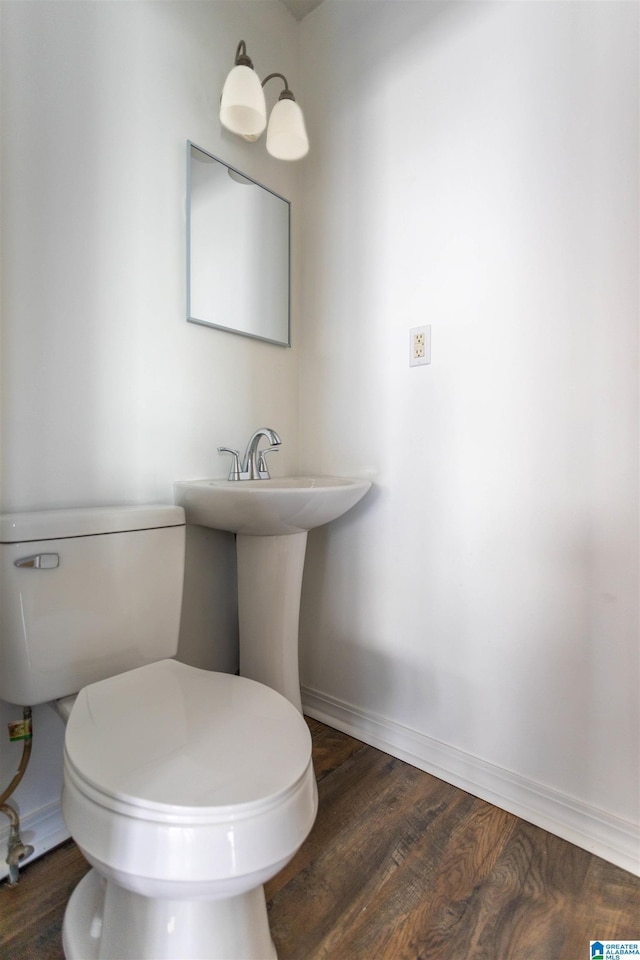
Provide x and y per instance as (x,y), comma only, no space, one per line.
(210,323)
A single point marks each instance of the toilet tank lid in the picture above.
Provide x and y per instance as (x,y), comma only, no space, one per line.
(86,521)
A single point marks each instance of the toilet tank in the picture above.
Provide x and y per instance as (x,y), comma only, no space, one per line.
(86,594)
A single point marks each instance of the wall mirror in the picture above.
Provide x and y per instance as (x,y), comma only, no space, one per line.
(238,251)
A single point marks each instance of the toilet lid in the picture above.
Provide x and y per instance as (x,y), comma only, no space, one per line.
(171,735)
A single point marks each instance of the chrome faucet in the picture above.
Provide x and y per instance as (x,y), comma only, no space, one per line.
(254,465)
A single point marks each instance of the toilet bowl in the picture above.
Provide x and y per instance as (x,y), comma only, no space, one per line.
(186,790)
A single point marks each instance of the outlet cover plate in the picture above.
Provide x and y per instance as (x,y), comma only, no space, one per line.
(419,346)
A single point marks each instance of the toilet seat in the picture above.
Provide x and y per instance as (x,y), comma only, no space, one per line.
(163,736)
(223,758)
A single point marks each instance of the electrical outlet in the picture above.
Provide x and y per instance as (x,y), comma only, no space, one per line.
(419,346)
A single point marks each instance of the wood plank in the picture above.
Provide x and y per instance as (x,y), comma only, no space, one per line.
(609,908)
(372,815)
(31,912)
(531,897)
(331,748)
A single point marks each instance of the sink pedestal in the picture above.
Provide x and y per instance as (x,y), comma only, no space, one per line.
(269,587)
(270,519)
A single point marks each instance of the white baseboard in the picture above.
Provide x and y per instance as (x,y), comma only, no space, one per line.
(595,830)
(43,829)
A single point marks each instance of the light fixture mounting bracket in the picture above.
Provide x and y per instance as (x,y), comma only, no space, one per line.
(242,58)
(286,93)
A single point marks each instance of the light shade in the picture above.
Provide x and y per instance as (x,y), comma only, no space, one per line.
(287,135)
(242,106)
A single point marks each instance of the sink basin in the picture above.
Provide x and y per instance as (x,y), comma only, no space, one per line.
(268,508)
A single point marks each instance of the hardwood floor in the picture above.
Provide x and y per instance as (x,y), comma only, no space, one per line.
(399,866)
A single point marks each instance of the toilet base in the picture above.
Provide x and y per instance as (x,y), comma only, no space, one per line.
(103,921)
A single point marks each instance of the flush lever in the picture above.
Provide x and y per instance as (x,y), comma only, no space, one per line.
(40,561)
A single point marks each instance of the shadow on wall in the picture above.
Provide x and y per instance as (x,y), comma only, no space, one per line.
(483,669)
(209,623)
(339,626)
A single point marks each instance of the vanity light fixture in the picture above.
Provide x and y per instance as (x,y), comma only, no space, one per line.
(243,110)
(242,106)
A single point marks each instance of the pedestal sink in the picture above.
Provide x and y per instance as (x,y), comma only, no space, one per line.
(271,519)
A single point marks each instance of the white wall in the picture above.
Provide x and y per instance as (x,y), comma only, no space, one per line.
(475,167)
(108,394)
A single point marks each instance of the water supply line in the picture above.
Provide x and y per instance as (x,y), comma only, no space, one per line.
(17,849)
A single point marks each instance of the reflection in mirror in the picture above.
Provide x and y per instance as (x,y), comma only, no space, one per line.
(237,251)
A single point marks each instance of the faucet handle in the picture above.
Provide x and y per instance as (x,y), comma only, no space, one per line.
(234,472)
(263,469)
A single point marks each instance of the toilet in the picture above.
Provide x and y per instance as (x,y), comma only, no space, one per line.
(184,788)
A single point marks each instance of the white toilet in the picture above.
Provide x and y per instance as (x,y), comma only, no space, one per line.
(185,789)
